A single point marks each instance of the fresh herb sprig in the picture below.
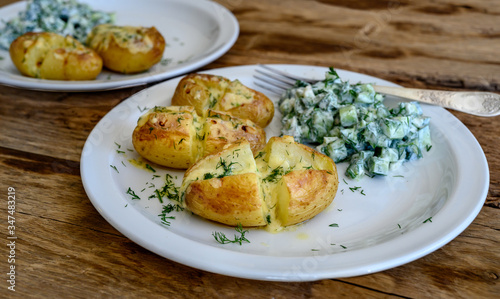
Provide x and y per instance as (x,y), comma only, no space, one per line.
(275,175)
(222,239)
(167,209)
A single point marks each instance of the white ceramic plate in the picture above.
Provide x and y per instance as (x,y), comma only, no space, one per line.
(384,228)
(196,32)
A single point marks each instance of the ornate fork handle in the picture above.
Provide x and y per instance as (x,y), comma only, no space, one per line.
(476,103)
(472,102)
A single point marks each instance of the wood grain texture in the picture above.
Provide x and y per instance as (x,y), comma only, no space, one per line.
(67,250)
(442,44)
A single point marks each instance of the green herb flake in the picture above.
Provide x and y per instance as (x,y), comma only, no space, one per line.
(132,193)
(142,109)
(428,220)
(275,175)
(167,209)
(150,168)
(354,188)
(222,239)
(333,225)
(114,167)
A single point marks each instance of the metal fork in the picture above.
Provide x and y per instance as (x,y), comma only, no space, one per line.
(472,102)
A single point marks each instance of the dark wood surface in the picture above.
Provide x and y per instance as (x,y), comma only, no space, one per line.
(65,249)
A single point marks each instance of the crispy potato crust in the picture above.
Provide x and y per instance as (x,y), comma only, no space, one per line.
(51,56)
(205,91)
(176,136)
(127,49)
(229,200)
(305,194)
(167,137)
(288,184)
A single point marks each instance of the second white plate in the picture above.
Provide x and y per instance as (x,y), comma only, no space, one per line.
(395,220)
(197,32)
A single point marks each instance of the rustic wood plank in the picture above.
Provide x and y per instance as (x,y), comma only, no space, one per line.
(68,212)
(424,43)
(47,122)
(67,250)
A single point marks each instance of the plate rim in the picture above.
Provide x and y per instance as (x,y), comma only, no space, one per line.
(234,264)
(228,25)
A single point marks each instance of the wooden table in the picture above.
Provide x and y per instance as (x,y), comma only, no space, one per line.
(65,249)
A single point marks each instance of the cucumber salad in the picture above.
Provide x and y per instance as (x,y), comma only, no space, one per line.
(65,17)
(349,122)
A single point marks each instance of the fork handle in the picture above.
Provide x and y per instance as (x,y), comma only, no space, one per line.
(472,102)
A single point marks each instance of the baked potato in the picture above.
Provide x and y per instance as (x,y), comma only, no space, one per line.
(225,187)
(204,91)
(127,49)
(285,184)
(177,136)
(52,56)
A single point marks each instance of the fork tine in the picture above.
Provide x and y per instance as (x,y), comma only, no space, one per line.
(294,78)
(275,80)
(275,90)
(287,81)
(270,81)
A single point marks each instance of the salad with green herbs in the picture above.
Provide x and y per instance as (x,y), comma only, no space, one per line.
(65,17)
(349,122)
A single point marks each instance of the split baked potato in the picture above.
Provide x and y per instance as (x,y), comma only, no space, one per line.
(204,91)
(52,56)
(285,184)
(177,136)
(127,49)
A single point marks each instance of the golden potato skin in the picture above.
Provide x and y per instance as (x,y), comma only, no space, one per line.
(166,136)
(224,187)
(244,102)
(51,56)
(176,136)
(287,184)
(205,91)
(202,91)
(303,194)
(230,200)
(127,49)
(222,128)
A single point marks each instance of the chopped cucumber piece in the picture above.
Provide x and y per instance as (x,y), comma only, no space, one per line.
(349,122)
(333,147)
(348,116)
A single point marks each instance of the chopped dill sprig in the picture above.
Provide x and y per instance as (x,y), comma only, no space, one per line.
(132,193)
(222,239)
(114,167)
(167,209)
(150,167)
(227,168)
(275,175)
(169,190)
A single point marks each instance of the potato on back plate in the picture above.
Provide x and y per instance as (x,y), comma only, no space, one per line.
(285,184)
(177,136)
(127,49)
(52,56)
(204,91)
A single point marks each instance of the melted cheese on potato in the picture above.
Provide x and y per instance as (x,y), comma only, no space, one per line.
(295,183)
(135,39)
(51,56)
